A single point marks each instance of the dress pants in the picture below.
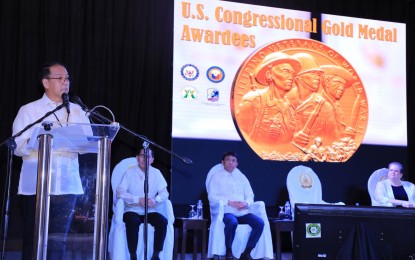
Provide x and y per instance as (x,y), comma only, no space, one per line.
(61,209)
(132,222)
(231,223)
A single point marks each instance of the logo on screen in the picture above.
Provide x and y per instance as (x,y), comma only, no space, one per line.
(313,230)
(213,94)
(189,93)
(215,74)
(189,72)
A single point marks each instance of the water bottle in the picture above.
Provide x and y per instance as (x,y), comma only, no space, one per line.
(287,209)
(199,209)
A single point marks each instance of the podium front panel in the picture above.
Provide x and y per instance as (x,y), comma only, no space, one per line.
(85,239)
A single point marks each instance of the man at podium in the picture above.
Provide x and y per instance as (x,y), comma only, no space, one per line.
(65,179)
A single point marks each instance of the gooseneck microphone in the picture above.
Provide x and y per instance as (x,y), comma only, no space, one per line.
(92,113)
(65,99)
(84,107)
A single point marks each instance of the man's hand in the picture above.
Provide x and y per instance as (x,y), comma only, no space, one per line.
(301,138)
(151,202)
(239,205)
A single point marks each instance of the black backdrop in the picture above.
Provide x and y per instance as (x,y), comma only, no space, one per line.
(119,54)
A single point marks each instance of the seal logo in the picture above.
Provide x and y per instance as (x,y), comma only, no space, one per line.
(215,74)
(189,72)
(313,230)
(299,100)
(306,181)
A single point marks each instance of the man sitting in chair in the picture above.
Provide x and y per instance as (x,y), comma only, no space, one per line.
(232,187)
(131,190)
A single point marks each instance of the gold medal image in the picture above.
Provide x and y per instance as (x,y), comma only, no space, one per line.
(299,100)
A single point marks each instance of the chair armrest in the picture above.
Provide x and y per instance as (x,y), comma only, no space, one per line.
(165,208)
(119,211)
(217,210)
(258,208)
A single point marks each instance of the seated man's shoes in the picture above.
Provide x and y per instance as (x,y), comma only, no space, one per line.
(229,256)
(245,256)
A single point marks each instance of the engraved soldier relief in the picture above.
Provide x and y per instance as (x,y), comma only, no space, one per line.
(299,100)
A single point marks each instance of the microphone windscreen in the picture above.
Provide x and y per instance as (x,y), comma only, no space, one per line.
(65,100)
(65,97)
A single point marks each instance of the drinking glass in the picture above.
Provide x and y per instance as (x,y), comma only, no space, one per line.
(192,213)
(281,215)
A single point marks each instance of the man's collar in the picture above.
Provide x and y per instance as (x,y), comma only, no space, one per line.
(46,100)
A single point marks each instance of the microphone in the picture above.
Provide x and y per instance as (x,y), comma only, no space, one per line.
(145,144)
(65,99)
(47,125)
(78,101)
(94,114)
(187,160)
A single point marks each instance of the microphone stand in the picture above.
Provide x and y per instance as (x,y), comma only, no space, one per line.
(6,203)
(96,115)
(146,156)
(11,143)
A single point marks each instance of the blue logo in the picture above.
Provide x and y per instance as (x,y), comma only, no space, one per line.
(213,94)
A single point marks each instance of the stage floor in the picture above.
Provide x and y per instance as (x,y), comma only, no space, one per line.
(12,252)
(13,255)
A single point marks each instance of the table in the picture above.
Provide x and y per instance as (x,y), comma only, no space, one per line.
(279,225)
(182,225)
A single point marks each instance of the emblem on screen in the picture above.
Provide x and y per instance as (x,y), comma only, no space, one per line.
(189,93)
(213,94)
(189,72)
(215,74)
(313,230)
(301,101)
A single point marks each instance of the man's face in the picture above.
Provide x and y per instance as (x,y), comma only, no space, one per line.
(230,163)
(142,161)
(336,86)
(282,76)
(57,83)
(311,80)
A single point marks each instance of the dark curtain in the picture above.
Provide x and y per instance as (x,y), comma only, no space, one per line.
(119,53)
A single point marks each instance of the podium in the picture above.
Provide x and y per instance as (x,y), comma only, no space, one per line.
(81,139)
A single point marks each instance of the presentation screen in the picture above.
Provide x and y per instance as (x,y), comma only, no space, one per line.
(285,86)
(259,75)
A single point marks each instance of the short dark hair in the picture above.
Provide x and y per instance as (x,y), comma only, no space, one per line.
(150,151)
(229,153)
(45,69)
(397,164)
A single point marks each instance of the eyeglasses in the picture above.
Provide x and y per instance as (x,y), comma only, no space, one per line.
(143,156)
(61,79)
